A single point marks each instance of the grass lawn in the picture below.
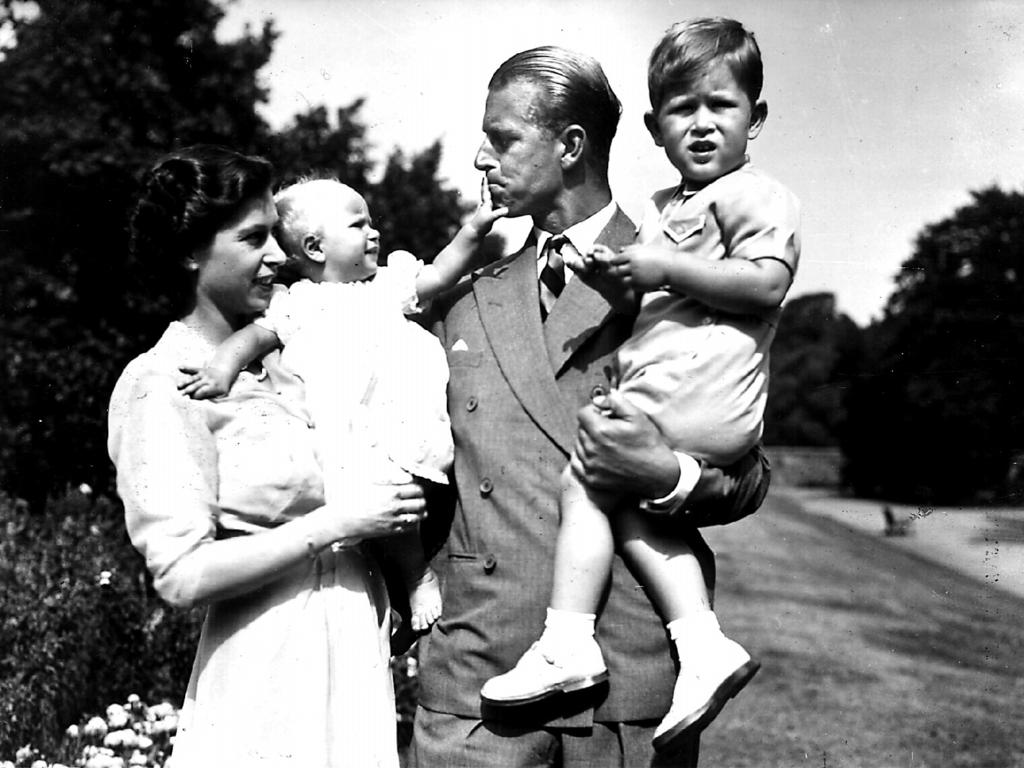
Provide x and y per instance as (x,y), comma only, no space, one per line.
(872,656)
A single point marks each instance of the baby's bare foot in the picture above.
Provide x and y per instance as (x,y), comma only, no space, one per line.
(425,601)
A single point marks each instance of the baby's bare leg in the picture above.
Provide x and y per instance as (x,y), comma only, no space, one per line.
(420,579)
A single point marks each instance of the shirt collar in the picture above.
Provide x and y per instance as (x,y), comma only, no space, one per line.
(582,234)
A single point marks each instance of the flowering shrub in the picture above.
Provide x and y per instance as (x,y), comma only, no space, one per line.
(131,734)
(79,622)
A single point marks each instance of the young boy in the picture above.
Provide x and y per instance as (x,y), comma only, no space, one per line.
(714,259)
(375,380)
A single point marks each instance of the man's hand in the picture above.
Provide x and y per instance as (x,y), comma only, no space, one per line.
(204,383)
(618,448)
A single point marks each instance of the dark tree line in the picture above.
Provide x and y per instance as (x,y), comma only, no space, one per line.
(923,402)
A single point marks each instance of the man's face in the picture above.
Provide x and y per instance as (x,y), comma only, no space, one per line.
(521,159)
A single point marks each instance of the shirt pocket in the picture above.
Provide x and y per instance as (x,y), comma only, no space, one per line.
(678,230)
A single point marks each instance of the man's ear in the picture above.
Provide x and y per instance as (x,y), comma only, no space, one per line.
(652,128)
(312,249)
(757,117)
(574,139)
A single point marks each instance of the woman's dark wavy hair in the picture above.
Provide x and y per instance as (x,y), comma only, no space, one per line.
(186,197)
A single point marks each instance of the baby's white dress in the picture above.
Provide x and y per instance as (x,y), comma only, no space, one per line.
(375,380)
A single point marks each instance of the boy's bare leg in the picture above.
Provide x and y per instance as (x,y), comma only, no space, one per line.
(712,668)
(585,548)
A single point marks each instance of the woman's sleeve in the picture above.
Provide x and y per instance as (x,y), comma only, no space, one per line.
(166,463)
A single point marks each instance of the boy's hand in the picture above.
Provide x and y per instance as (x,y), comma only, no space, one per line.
(641,267)
(204,383)
(486,214)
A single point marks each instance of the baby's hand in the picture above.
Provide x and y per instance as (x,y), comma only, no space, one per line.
(486,214)
(204,383)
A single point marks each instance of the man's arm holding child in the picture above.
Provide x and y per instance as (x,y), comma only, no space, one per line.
(619,448)
(240,348)
(457,257)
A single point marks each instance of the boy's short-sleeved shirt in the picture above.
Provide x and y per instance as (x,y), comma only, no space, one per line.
(701,373)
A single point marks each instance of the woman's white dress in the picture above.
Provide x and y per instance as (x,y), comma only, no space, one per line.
(295,673)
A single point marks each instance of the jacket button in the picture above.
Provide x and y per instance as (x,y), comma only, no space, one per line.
(597,391)
(471,404)
(490,563)
(486,486)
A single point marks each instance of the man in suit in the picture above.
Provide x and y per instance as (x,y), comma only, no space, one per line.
(527,358)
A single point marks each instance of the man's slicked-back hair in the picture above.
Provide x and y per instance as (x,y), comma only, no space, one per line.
(690,48)
(574,91)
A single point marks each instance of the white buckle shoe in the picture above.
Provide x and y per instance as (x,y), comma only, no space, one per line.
(702,689)
(537,676)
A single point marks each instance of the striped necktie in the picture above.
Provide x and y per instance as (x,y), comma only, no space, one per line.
(552,276)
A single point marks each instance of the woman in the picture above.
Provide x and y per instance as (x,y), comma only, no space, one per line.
(224,498)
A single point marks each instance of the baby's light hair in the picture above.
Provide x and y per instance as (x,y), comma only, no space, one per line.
(302,209)
(690,48)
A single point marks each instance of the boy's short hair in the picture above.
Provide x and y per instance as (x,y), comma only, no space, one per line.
(301,210)
(690,48)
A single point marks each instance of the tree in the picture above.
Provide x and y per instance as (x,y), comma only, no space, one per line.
(937,416)
(92,93)
(815,353)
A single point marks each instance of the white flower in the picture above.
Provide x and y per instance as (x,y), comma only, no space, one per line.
(138,758)
(117,716)
(72,732)
(134,700)
(39,764)
(104,579)
(145,742)
(85,489)
(23,754)
(6,764)
(161,710)
(125,737)
(96,726)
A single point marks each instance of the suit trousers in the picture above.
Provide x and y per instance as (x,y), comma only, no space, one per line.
(450,741)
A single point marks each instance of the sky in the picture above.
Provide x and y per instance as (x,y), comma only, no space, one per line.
(882,115)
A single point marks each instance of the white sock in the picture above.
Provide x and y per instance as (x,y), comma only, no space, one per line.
(693,631)
(566,629)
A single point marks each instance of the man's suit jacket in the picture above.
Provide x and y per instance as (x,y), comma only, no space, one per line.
(515,388)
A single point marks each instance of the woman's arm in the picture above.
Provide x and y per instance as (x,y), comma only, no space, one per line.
(166,463)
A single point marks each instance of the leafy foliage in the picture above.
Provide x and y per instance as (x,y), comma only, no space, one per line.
(79,623)
(815,353)
(937,416)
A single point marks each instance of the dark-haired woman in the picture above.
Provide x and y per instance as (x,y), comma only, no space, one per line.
(224,498)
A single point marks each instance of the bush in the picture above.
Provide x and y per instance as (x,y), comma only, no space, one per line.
(80,621)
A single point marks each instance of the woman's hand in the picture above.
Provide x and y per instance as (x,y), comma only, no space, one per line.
(376,509)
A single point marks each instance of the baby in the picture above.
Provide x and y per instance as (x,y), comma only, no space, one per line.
(714,259)
(375,380)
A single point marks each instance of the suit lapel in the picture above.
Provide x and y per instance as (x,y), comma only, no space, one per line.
(581,310)
(508,304)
